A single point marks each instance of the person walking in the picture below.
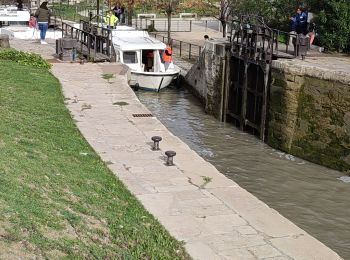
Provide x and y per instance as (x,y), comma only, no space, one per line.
(122,15)
(111,20)
(43,17)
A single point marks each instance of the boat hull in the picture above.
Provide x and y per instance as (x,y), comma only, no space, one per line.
(152,81)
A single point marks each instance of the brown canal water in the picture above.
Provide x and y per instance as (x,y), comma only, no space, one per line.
(315,198)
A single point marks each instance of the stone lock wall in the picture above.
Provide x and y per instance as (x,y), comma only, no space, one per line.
(310,118)
(206,77)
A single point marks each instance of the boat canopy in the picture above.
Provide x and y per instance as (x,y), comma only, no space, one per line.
(12,14)
(135,40)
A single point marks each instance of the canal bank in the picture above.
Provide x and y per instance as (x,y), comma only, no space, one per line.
(218,218)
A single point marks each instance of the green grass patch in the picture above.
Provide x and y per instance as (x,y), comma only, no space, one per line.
(57,198)
(108,76)
(121,103)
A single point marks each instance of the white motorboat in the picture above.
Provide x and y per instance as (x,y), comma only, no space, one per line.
(144,56)
(10,14)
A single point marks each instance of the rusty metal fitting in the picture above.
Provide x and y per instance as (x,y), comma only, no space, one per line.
(156,140)
(170,155)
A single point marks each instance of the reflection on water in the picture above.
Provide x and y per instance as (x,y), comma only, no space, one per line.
(317,199)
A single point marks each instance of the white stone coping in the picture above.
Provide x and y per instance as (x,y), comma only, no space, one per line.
(140,16)
(188,15)
(325,68)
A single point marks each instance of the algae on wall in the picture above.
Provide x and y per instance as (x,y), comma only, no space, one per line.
(310,118)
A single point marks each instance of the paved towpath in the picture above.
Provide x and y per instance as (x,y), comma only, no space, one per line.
(215,217)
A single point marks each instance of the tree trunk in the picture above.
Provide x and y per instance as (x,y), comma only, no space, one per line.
(169,27)
(223,23)
(4,41)
(130,13)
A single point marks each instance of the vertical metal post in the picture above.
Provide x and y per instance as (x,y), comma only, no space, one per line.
(189,51)
(296,49)
(244,92)
(81,42)
(95,47)
(180,48)
(264,106)
(190,25)
(89,46)
(278,38)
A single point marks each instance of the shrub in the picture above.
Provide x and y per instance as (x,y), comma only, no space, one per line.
(24,58)
(334,25)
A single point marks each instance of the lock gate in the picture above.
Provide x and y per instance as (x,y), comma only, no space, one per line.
(253,47)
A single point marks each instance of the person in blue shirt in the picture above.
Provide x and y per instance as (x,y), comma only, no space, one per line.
(299,21)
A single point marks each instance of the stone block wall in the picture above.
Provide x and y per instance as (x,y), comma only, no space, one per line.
(206,78)
(310,118)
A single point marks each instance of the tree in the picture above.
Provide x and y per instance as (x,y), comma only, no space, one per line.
(225,12)
(169,7)
(334,25)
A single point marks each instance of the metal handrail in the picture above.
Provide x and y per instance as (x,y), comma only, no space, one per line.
(91,40)
(240,27)
(192,52)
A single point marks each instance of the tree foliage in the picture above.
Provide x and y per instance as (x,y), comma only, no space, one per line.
(334,25)
(332,18)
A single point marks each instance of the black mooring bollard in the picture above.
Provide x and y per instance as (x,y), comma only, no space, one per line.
(170,155)
(156,140)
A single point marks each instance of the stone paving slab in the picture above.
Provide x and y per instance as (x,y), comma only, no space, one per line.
(218,219)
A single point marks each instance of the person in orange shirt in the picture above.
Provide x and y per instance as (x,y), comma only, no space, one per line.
(167,57)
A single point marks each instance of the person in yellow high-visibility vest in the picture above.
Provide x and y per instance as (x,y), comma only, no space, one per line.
(111,20)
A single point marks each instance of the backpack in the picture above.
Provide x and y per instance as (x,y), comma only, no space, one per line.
(32,22)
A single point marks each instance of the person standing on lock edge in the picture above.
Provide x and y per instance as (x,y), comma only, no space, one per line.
(43,17)
(299,21)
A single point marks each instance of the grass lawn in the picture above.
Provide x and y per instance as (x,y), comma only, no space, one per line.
(57,198)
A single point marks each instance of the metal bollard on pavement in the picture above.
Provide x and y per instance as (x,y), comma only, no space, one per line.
(170,160)
(156,140)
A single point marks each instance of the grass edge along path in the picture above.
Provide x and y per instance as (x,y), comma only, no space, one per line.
(57,198)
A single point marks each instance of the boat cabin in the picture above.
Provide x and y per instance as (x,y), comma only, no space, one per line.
(11,15)
(139,51)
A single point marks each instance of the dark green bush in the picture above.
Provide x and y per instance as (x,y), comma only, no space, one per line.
(332,18)
(25,58)
(334,25)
